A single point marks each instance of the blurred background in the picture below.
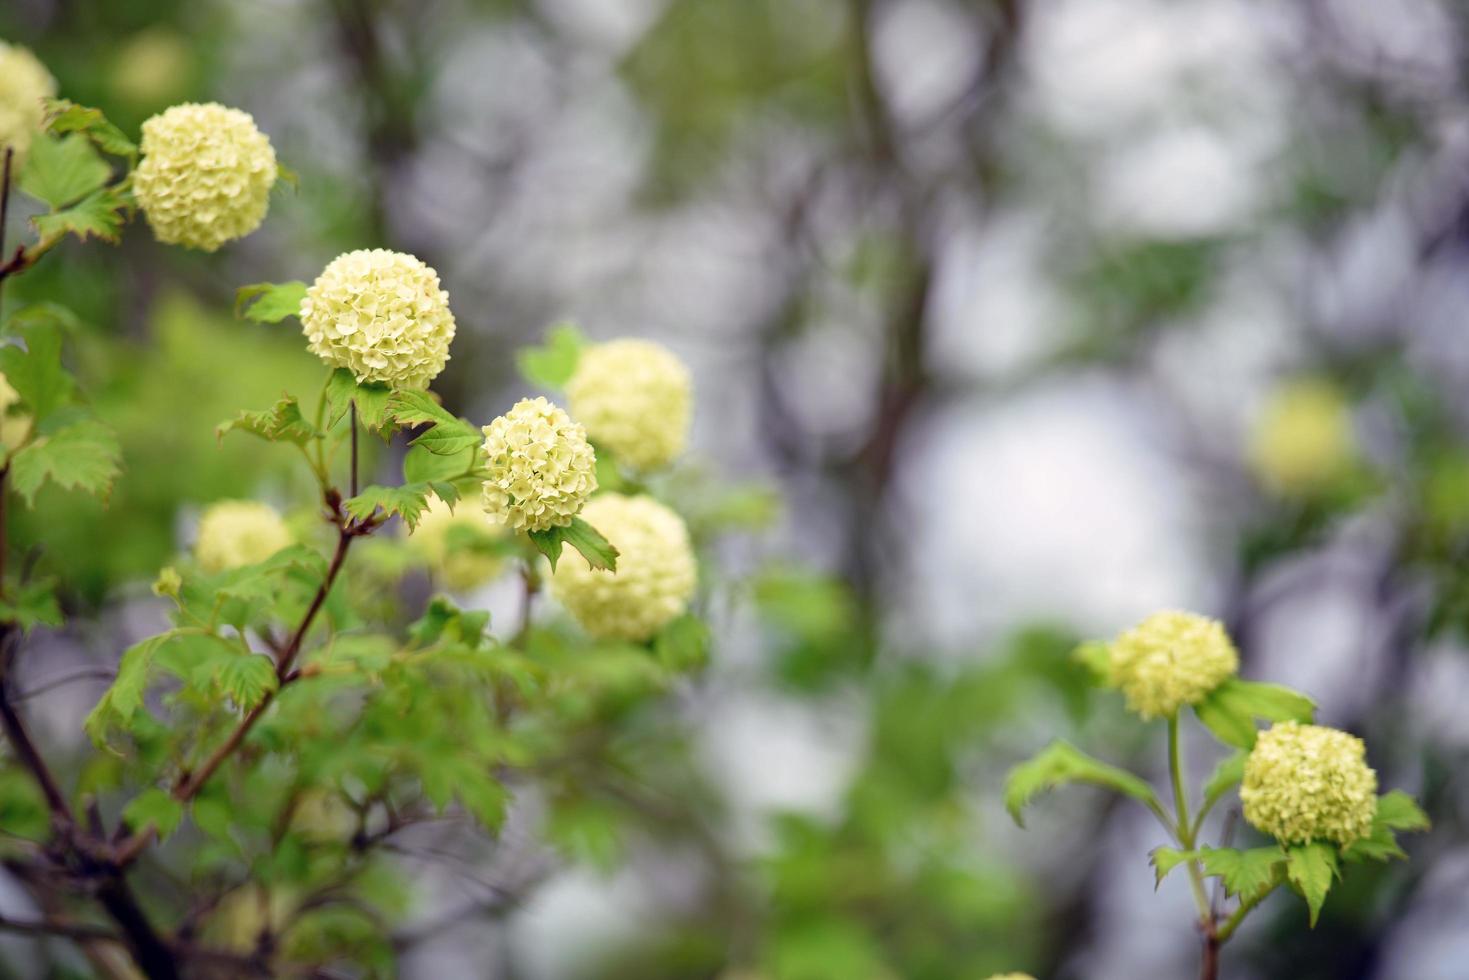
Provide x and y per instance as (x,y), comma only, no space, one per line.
(1011,321)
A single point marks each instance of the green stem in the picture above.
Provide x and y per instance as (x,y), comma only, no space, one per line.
(1185,828)
(1245,907)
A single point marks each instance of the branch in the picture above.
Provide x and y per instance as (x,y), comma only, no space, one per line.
(80,931)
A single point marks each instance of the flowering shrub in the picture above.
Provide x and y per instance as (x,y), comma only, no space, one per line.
(1306,786)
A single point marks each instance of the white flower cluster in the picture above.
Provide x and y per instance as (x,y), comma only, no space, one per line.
(634,398)
(1169,660)
(381,315)
(206,175)
(541,467)
(655,577)
(1307,782)
(25,84)
(234,533)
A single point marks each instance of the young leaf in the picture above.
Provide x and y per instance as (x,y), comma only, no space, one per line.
(683,644)
(1165,859)
(269,302)
(34,370)
(1311,869)
(30,605)
(1399,811)
(371,399)
(247,679)
(1096,657)
(283,422)
(407,501)
(1061,763)
(417,408)
(1244,873)
(552,364)
(156,808)
(68,117)
(1395,811)
(98,215)
(1231,708)
(597,550)
(60,170)
(122,700)
(84,455)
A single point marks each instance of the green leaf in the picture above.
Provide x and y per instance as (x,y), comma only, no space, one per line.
(30,605)
(1231,708)
(683,644)
(156,808)
(1311,869)
(1226,776)
(597,550)
(269,302)
(1061,763)
(371,399)
(421,465)
(1244,873)
(1399,811)
(34,369)
(247,679)
(418,408)
(84,455)
(98,215)
(122,700)
(552,364)
(68,117)
(407,501)
(1096,657)
(283,422)
(1165,859)
(60,170)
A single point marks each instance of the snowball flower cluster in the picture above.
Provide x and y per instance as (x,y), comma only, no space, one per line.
(25,84)
(13,428)
(234,533)
(1012,976)
(1303,439)
(655,574)
(206,175)
(1306,782)
(1169,660)
(453,544)
(381,315)
(541,467)
(634,398)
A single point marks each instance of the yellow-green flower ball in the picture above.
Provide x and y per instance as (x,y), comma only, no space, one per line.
(152,67)
(1307,782)
(381,315)
(234,533)
(1012,976)
(655,576)
(634,397)
(452,544)
(1169,660)
(14,429)
(1303,440)
(25,84)
(206,175)
(541,467)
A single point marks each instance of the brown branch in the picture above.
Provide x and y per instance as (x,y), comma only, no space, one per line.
(80,931)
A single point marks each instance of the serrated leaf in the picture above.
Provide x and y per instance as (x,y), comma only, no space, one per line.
(84,455)
(155,808)
(484,797)
(1244,873)
(66,116)
(342,390)
(587,540)
(98,215)
(1231,708)
(1225,777)
(417,408)
(1399,811)
(30,605)
(423,466)
(247,679)
(1061,763)
(121,701)
(1165,859)
(283,422)
(1311,869)
(269,302)
(34,370)
(1395,811)
(553,363)
(60,170)
(407,501)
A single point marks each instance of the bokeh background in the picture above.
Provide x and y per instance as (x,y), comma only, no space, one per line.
(1011,322)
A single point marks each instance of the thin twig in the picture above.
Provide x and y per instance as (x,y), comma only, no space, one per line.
(96,673)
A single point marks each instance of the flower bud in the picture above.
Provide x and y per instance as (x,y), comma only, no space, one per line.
(1169,660)
(1307,782)
(205,176)
(655,576)
(541,467)
(381,315)
(634,398)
